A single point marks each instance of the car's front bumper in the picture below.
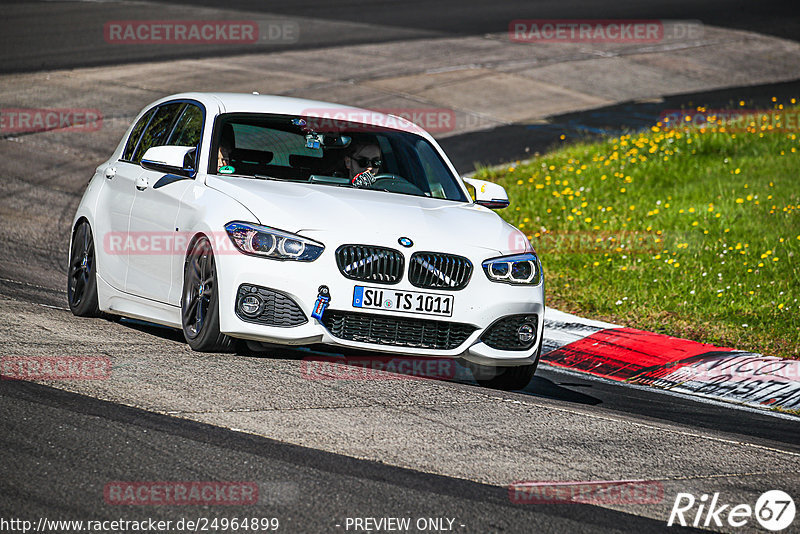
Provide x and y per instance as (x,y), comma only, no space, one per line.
(480,304)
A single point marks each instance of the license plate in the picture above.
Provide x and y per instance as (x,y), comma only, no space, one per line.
(403,301)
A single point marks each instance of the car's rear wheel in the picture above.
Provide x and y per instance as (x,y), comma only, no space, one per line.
(200,301)
(81,275)
(506,378)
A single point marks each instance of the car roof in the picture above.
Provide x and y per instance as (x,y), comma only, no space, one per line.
(284,105)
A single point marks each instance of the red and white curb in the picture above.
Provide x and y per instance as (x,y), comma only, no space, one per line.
(646,358)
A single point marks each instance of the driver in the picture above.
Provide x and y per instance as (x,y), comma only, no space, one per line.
(363,162)
(226,143)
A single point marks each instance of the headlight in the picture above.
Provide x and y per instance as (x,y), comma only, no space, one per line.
(517,269)
(271,243)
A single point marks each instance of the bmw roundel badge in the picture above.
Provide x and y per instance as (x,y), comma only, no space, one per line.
(406,242)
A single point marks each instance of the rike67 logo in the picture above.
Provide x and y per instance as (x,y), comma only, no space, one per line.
(774,510)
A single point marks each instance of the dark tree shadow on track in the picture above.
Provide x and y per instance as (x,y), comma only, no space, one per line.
(543,387)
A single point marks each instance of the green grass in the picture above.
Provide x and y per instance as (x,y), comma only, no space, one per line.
(690,232)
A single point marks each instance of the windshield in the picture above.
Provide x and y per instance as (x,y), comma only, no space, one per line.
(300,149)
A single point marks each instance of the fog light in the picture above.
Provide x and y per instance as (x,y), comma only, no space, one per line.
(526,333)
(251,305)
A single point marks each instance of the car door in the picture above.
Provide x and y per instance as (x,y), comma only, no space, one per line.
(157,201)
(114,208)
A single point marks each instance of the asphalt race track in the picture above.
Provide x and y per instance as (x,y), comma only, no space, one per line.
(73,30)
(323,451)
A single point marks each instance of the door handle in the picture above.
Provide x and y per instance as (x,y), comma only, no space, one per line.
(141,183)
(110,172)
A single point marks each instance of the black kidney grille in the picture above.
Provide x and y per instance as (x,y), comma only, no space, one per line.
(439,271)
(397,331)
(502,335)
(370,264)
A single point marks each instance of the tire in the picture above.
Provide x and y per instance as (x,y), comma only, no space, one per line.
(200,301)
(505,378)
(82,273)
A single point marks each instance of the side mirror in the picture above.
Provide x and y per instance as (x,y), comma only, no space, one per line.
(489,194)
(169,159)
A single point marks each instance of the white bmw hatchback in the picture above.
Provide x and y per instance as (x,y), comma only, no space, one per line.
(285,221)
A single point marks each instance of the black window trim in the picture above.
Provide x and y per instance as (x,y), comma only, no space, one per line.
(172,129)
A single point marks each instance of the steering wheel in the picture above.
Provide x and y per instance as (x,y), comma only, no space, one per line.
(396,184)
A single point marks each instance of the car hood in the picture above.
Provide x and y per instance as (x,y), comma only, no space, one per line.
(336,215)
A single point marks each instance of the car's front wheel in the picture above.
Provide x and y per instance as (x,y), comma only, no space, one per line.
(199,302)
(81,277)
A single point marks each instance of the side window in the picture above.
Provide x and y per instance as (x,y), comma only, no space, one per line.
(136,133)
(188,128)
(158,129)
